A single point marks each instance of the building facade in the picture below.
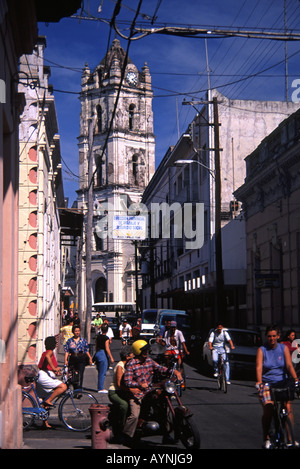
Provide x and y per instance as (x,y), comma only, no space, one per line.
(40,196)
(270,198)
(117,98)
(188,274)
(18,25)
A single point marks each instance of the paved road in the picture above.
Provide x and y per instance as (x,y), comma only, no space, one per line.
(225,421)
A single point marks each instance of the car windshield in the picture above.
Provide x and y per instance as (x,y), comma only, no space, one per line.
(246,339)
(149,317)
(182,321)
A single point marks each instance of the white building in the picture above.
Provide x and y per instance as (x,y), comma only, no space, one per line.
(122,156)
(40,196)
(188,277)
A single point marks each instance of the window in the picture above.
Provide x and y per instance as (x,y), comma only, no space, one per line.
(131,116)
(135,161)
(99,119)
(99,171)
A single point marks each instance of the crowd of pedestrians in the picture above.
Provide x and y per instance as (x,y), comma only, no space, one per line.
(273,365)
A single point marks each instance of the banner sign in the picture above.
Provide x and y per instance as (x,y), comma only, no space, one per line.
(129,227)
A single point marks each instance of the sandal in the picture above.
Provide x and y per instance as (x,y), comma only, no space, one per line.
(47,405)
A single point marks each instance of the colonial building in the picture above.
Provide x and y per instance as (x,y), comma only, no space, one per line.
(40,196)
(18,26)
(117,97)
(270,196)
(201,259)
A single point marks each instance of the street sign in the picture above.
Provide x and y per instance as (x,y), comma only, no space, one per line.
(129,227)
(267,280)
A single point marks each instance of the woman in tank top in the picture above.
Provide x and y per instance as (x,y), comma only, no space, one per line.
(273,366)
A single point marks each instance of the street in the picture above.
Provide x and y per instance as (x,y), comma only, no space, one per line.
(225,421)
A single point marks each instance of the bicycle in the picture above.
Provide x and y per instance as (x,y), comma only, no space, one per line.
(281,432)
(127,340)
(73,409)
(221,377)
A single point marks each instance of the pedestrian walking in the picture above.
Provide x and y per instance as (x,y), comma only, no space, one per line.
(77,353)
(101,357)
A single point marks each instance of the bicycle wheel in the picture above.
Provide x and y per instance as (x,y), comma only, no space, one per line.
(219,381)
(224,382)
(28,406)
(74,410)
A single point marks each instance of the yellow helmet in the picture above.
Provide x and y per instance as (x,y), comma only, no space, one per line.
(138,346)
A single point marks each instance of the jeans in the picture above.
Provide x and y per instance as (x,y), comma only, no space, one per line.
(101,363)
(79,364)
(215,355)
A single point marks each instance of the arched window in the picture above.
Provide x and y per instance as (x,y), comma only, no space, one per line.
(99,171)
(100,290)
(131,116)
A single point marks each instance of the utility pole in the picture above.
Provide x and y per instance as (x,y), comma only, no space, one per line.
(88,234)
(218,233)
(136,277)
(220,303)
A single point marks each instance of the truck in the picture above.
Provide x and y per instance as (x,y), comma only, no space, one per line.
(148,323)
(154,319)
(180,316)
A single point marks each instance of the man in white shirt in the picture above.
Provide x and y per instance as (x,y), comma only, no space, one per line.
(175,342)
(125,331)
(217,343)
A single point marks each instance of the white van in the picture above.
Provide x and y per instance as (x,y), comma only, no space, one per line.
(148,322)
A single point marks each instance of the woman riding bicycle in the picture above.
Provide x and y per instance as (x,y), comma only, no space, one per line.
(217,342)
(47,377)
(273,365)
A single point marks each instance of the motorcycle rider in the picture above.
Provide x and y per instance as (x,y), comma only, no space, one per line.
(138,377)
(175,342)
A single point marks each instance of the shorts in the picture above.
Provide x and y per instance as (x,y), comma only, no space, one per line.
(265,395)
(46,383)
(284,392)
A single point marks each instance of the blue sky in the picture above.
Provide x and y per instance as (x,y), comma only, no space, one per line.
(177,64)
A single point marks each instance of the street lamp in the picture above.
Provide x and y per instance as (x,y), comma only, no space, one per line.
(181,162)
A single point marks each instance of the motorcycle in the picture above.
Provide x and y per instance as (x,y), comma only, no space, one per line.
(165,357)
(163,413)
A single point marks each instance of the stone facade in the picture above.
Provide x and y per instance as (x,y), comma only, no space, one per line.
(123,158)
(270,197)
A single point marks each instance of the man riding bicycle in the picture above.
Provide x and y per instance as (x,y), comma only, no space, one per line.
(175,342)
(217,343)
(125,331)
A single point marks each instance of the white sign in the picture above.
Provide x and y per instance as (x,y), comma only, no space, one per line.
(126,227)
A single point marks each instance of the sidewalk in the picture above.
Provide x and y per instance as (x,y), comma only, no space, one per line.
(50,441)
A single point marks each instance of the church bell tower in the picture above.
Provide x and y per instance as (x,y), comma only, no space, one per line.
(123,158)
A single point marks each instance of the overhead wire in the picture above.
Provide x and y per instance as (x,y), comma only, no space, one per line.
(263,53)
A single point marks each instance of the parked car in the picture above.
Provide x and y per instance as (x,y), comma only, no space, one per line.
(243,357)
